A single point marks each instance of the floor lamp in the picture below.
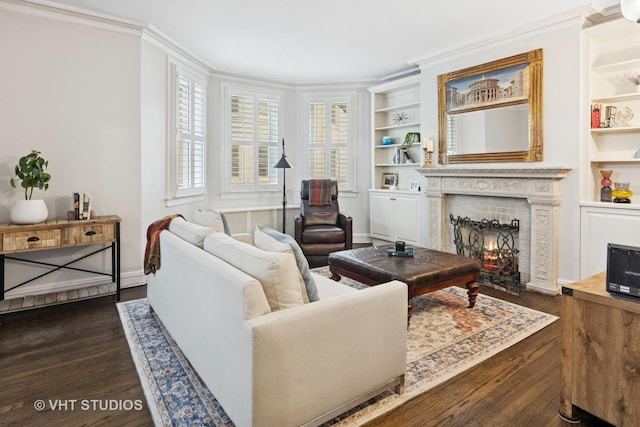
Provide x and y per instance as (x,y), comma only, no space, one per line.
(283,164)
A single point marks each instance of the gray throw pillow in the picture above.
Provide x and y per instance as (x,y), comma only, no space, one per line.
(303,264)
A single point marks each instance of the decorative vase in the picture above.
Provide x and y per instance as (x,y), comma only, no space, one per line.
(28,211)
(605,191)
(622,193)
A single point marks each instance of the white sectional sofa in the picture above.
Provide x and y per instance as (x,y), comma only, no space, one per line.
(300,365)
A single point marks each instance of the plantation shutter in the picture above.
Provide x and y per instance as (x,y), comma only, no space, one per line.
(254,128)
(340,142)
(191,136)
(329,139)
(241,140)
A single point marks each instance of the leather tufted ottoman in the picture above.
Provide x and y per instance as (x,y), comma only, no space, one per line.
(427,271)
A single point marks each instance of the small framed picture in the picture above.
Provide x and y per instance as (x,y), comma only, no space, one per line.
(414,185)
(389,180)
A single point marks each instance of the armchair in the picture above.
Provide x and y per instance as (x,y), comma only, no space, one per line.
(320,230)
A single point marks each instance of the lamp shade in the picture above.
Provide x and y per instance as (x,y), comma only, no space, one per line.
(630,9)
(283,163)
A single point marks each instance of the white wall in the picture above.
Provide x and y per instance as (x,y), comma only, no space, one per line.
(561,95)
(72,91)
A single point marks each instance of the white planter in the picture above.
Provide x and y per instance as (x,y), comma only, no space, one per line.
(29,211)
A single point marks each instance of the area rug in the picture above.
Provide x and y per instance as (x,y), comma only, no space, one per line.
(445,338)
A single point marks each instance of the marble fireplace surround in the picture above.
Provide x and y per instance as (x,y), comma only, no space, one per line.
(539,186)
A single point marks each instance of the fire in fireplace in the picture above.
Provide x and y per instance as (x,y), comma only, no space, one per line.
(494,246)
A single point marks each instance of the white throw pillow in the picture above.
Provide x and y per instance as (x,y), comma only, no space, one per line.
(211,218)
(268,243)
(303,265)
(192,233)
(276,272)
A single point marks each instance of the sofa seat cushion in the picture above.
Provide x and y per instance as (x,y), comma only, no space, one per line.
(192,233)
(272,240)
(323,234)
(328,288)
(277,272)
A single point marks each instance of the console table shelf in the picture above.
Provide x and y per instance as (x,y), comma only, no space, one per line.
(58,234)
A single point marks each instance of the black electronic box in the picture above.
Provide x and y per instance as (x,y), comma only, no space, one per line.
(623,270)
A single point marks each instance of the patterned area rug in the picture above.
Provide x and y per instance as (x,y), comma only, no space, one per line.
(444,339)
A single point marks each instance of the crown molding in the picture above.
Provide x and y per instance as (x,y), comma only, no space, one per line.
(59,12)
(156,37)
(51,10)
(572,17)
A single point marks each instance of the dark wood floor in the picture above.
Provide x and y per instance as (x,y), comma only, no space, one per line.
(78,352)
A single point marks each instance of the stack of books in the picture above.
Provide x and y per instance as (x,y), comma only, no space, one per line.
(603,116)
(82,203)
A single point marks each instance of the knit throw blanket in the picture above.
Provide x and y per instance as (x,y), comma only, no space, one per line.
(319,192)
(152,251)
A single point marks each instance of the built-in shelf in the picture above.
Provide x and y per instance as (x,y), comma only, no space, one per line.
(397,164)
(610,55)
(614,160)
(611,205)
(628,129)
(611,67)
(405,125)
(633,96)
(398,107)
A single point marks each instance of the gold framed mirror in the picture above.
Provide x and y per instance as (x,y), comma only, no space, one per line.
(492,112)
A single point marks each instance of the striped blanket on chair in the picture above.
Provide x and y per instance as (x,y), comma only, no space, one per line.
(319,192)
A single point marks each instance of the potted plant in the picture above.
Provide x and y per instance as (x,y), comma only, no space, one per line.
(31,171)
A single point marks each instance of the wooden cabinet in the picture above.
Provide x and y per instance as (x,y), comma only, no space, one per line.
(600,353)
(396,215)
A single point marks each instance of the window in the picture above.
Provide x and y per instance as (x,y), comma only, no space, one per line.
(252,133)
(329,138)
(188,138)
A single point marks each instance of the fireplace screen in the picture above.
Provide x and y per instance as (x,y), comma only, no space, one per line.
(494,245)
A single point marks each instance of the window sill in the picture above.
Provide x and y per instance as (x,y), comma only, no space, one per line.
(184,200)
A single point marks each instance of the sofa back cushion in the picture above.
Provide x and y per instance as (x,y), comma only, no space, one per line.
(212,218)
(268,243)
(274,241)
(277,272)
(192,233)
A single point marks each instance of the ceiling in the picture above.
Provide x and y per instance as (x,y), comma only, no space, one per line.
(326,41)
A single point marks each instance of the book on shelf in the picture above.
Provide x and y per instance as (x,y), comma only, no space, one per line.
(595,116)
(610,116)
(82,204)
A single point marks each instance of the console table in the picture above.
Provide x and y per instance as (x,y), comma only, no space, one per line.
(600,353)
(57,234)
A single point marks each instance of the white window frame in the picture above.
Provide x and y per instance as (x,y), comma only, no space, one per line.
(228,90)
(350,98)
(175,195)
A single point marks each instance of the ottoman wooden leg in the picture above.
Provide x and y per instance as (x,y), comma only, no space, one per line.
(335,276)
(472,292)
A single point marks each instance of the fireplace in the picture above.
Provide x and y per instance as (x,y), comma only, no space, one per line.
(533,195)
(494,245)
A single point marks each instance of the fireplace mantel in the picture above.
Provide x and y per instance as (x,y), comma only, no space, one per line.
(539,186)
(548,173)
